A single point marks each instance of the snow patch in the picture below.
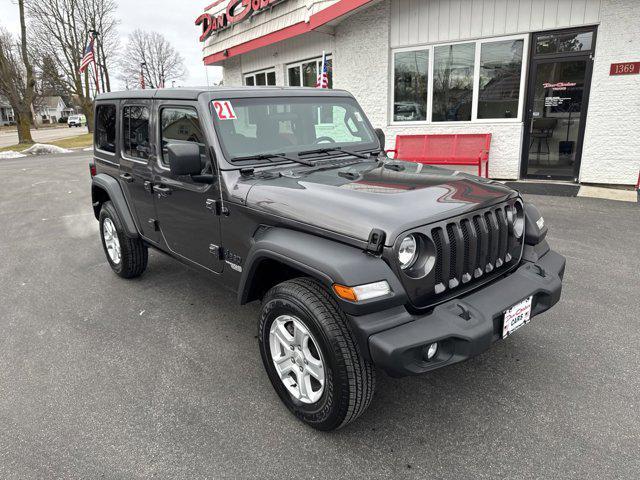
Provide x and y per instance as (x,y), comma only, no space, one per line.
(11,154)
(45,149)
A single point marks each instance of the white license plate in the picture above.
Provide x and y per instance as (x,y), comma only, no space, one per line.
(516,316)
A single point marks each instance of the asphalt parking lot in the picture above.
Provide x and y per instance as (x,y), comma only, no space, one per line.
(161,377)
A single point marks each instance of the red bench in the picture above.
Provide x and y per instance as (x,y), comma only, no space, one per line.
(456,149)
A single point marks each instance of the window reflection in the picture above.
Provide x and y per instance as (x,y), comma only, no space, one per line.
(410,86)
(500,74)
(453,82)
(564,42)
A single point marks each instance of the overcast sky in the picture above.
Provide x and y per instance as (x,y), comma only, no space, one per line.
(173,18)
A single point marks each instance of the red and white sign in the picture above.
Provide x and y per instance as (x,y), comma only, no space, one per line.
(237,11)
(628,68)
(224,110)
(559,85)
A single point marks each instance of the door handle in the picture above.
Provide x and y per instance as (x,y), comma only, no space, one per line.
(126,177)
(162,191)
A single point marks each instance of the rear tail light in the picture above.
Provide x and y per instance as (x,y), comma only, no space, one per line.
(92,169)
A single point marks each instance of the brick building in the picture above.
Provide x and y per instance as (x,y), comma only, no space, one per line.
(556,82)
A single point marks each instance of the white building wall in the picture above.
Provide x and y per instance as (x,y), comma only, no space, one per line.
(360,46)
(416,22)
(611,152)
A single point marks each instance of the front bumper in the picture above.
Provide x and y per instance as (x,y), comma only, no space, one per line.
(463,327)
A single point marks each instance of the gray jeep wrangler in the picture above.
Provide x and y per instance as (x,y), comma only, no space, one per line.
(285,196)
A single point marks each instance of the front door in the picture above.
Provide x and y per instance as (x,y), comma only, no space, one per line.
(557,99)
(189,228)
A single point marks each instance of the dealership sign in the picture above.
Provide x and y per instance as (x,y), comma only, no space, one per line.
(237,11)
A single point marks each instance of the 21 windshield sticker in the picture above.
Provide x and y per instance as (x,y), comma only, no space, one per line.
(224,110)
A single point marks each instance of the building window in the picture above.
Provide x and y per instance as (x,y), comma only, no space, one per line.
(500,75)
(105,135)
(411,85)
(453,68)
(461,82)
(135,128)
(305,74)
(265,77)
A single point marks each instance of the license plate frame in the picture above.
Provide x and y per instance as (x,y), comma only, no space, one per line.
(516,316)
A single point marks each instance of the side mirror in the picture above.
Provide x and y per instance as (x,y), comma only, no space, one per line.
(184,158)
(381,138)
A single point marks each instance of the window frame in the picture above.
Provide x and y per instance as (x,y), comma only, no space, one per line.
(476,82)
(253,74)
(95,125)
(122,144)
(162,107)
(299,64)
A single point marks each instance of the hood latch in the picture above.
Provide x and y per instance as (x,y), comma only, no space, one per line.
(375,244)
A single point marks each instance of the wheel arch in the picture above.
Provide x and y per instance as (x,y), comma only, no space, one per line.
(280,254)
(105,188)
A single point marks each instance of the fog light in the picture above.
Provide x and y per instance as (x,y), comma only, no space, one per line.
(430,351)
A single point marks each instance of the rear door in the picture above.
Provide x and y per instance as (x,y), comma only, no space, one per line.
(189,228)
(136,173)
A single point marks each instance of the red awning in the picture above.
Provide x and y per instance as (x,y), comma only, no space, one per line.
(319,19)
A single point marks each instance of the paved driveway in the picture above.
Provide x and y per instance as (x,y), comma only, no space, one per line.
(161,376)
(43,135)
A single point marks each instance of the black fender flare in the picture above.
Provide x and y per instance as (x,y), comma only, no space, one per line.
(111,187)
(325,260)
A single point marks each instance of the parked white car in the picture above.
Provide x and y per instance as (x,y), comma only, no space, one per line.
(77,121)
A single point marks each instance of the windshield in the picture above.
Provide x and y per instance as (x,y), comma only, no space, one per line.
(256,126)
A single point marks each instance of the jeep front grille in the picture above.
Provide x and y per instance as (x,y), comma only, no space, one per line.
(470,247)
(470,250)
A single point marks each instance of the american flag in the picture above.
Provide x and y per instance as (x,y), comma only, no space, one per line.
(323,77)
(89,57)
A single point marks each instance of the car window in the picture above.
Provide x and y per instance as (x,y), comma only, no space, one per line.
(105,135)
(135,132)
(180,125)
(252,126)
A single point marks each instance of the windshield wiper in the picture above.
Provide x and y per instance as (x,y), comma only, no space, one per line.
(334,149)
(269,156)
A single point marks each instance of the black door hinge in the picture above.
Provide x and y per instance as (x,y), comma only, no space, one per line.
(154,224)
(148,186)
(216,251)
(216,207)
(375,243)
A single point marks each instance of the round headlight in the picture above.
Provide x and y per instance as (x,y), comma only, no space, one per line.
(408,252)
(518,221)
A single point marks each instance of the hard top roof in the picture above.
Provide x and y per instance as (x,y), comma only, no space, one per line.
(220,92)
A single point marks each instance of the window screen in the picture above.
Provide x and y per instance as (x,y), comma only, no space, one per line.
(105,135)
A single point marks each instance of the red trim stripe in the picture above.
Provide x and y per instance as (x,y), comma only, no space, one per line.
(317,20)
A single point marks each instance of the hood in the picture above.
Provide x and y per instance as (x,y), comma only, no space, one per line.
(353,200)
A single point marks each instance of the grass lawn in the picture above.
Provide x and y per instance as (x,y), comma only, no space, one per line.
(80,141)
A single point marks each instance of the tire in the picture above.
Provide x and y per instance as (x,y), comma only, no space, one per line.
(349,379)
(133,253)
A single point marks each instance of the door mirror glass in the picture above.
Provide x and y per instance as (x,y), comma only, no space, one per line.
(184,158)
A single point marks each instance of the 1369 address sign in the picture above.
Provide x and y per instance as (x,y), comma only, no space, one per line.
(627,68)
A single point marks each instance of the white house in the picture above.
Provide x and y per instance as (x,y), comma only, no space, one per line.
(51,109)
(556,82)
(6,113)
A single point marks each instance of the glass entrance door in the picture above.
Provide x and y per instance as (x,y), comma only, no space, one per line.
(559,79)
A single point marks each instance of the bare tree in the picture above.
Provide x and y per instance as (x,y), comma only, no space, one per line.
(61,29)
(151,55)
(17,81)
(99,16)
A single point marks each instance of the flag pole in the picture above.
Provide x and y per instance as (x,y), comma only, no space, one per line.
(94,33)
